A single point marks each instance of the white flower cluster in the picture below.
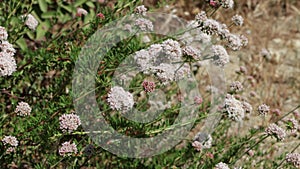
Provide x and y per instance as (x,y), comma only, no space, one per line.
(7,61)
(236,86)
(237,20)
(293,158)
(164,61)
(67,149)
(120,100)
(23,109)
(144,24)
(274,130)
(31,22)
(69,122)
(202,141)
(222,165)
(233,108)
(220,56)
(263,109)
(141,10)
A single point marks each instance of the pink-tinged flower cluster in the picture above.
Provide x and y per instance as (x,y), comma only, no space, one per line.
(192,52)
(220,56)
(69,122)
(11,140)
(3,33)
(222,165)
(119,99)
(294,159)
(144,24)
(236,86)
(7,62)
(233,108)
(201,17)
(263,109)
(23,109)
(202,141)
(141,10)
(198,100)
(31,22)
(237,20)
(148,86)
(67,149)
(274,130)
(293,125)
(80,12)
(172,49)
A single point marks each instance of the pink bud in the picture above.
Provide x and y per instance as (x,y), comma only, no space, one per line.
(198,100)
(101,15)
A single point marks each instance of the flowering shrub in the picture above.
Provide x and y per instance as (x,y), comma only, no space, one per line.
(142,98)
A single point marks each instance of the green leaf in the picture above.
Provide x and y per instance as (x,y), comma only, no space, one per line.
(48,15)
(43,5)
(42,29)
(79,2)
(90,4)
(22,44)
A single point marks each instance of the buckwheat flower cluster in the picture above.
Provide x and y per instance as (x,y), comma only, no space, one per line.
(192,52)
(227,3)
(143,59)
(247,107)
(198,100)
(10,150)
(144,24)
(69,122)
(201,17)
(293,158)
(119,99)
(202,141)
(7,62)
(148,86)
(237,20)
(222,165)
(236,86)
(3,33)
(11,140)
(165,72)
(244,40)
(31,22)
(263,109)
(233,108)
(142,10)
(67,149)
(172,49)
(234,42)
(23,109)
(220,56)
(274,130)
(294,125)
(210,26)
(81,11)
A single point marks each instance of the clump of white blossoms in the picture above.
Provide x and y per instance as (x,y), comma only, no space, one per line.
(237,20)
(69,122)
(233,108)
(31,22)
(10,140)
(202,141)
(222,165)
(119,99)
(220,56)
(3,33)
(80,12)
(294,159)
(172,49)
(23,109)
(236,86)
(144,24)
(227,3)
(67,149)
(142,10)
(263,109)
(7,64)
(192,52)
(274,130)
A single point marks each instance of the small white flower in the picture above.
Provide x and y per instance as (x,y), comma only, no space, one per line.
(23,109)
(142,10)
(3,33)
(120,100)
(67,149)
(31,22)
(237,20)
(220,56)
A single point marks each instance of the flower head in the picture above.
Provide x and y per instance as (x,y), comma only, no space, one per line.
(263,109)
(220,56)
(221,165)
(120,100)
(81,11)
(7,48)
(274,130)
(148,86)
(7,64)
(192,52)
(172,48)
(237,20)
(201,17)
(142,10)
(202,141)
(23,109)
(144,24)
(69,122)
(293,158)
(227,3)
(233,108)
(3,33)
(31,22)
(67,149)
(236,86)
(11,140)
